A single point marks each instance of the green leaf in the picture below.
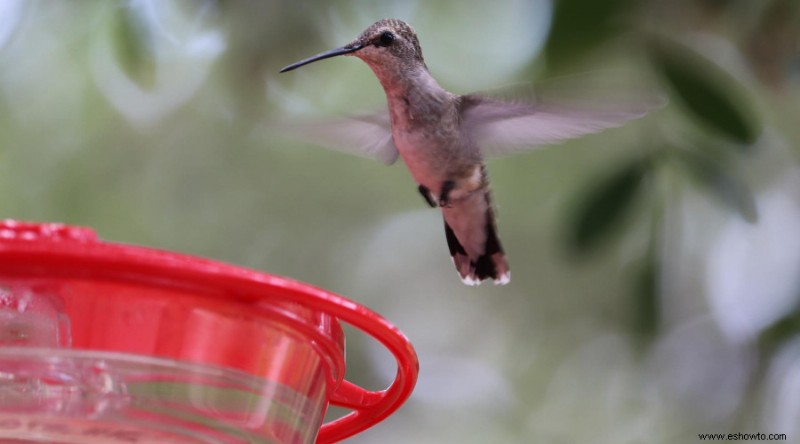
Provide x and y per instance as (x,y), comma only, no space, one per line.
(646,305)
(134,47)
(781,330)
(603,208)
(705,90)
(579,26)
(722,180)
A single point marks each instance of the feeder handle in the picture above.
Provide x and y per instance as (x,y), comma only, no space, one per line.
(369,407)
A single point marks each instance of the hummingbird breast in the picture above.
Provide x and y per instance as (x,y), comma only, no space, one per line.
(426,131)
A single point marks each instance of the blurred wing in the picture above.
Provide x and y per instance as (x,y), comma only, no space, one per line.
(502,128)
(366,136)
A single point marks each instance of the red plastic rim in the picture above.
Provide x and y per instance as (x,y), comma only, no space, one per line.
(51,250)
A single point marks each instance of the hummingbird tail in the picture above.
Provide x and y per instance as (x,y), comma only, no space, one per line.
(491,264)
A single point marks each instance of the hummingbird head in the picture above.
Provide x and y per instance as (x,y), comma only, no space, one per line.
(386,43)
(389,42)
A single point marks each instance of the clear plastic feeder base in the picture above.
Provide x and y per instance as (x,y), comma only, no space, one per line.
(83,397)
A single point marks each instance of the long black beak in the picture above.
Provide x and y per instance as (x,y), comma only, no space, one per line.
(325,55)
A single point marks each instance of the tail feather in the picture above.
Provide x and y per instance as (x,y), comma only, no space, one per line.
(491,264)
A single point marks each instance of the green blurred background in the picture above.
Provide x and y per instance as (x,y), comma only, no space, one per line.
(656,267)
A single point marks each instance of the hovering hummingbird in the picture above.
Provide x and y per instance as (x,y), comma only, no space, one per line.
(443,138)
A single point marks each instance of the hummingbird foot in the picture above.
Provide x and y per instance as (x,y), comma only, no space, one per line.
(426,194)
(444,196)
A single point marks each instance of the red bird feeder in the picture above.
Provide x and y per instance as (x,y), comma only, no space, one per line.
(111,343)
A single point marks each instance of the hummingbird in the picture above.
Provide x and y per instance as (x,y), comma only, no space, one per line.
(443,138)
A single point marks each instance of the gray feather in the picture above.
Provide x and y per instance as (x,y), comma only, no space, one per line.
(366,136)
(499,128)
(502,128)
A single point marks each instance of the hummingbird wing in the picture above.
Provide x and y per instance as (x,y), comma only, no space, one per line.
(366,135)
(503,128)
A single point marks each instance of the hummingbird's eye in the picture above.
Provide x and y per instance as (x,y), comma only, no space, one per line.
(386,38)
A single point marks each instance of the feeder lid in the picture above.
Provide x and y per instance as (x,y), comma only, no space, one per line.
(51,249)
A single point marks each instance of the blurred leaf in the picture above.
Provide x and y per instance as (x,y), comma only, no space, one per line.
(706,90)
(645,294)
(771,44)
(603,208)
(134,47)
(779,332)
(579,26)
(723,182)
